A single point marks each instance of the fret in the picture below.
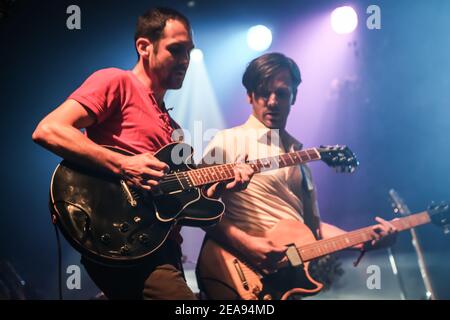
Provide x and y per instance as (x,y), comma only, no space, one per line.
(229,169)
(218,172)
(212,173)
(201,177)
(191,175)
(282,161)
(223,174)
(313,154)
(290,158)
(192,178)
(295,157)
(304,156)
(206,174)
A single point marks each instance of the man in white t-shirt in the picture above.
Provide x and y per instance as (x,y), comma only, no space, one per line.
(271,81)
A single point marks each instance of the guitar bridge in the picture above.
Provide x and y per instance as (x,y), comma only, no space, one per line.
(241,274)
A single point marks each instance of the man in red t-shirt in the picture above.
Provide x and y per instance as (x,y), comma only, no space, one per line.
(125,109)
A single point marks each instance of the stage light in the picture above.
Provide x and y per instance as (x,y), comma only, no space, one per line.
(344,20)
(196,55)
(259,38)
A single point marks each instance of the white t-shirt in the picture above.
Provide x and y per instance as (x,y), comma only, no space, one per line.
(270,196)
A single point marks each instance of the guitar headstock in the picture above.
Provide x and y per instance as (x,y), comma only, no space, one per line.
(339,157)
(440,215)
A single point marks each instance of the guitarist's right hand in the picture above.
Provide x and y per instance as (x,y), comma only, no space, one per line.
(142,170)
(263,253)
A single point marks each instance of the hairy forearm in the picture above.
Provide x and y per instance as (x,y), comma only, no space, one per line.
(228,234)
(71,144)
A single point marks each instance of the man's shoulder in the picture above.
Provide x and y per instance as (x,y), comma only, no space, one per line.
(111,73)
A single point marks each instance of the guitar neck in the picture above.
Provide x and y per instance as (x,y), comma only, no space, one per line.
(359,236)
(224,172)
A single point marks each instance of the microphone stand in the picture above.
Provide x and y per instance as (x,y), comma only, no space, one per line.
(401,208)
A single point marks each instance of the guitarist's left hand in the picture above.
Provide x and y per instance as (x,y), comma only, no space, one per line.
(242,176)
(384,235)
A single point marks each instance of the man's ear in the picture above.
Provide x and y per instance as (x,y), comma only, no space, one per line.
(294,98)
(250,98)
(144,47)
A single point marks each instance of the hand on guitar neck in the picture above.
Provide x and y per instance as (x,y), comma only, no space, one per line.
(269,256)
(145,170)
(243,173)
(383,234)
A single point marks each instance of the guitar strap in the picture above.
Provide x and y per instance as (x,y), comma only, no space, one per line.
(311,215)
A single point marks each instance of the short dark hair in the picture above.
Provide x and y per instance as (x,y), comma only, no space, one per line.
(151,24)
(261,70)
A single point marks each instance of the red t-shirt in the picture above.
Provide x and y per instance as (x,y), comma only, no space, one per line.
(127,114)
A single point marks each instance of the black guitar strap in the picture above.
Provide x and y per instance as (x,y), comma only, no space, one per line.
(311,216)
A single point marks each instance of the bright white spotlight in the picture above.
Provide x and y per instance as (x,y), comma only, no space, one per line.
(344,20)
(196,55)
(259,38)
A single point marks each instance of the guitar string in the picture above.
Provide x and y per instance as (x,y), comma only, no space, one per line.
(269,160)
(263,163)
(174,179)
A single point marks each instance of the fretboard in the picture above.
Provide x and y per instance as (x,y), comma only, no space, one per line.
(217,173)
(350,239)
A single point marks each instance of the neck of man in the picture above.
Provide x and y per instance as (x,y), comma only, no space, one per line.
(149,80)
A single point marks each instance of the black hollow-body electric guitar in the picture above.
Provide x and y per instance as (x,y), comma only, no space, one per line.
(109,221)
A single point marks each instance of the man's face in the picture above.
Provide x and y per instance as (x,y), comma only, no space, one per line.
(170,59)
(273,106)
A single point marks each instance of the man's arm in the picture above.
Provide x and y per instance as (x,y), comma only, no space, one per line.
(259,251)
(60,133)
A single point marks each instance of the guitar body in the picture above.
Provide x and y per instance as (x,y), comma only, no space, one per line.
(110,222)
(222,274)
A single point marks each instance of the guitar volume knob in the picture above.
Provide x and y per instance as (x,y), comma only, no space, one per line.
(137,219)
(124,227)
(143,238)
(124,249)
